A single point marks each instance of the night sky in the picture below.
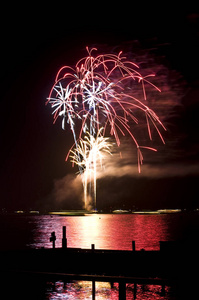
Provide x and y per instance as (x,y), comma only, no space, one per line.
(35,43)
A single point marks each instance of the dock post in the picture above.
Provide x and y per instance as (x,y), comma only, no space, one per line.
(64,239)
(122,290)
(53,239)
(93,290)
(133,245)
(93,247)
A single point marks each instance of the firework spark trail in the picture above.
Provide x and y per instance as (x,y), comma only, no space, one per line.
(94,90)
(86,155)
(93,95)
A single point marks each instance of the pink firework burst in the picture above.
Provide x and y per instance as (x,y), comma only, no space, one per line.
(93,94)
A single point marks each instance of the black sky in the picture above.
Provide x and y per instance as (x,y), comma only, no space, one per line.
(35,44)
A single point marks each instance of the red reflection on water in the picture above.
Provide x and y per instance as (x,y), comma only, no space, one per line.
(105,231)
(148,230)
(147,291)
(82,290)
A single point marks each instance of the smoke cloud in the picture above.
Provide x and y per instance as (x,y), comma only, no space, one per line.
(68,191)
(115,166)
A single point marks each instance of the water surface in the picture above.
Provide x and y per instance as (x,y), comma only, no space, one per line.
(109,231)
(106,231)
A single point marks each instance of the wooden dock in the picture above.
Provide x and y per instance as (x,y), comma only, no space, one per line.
(174,264)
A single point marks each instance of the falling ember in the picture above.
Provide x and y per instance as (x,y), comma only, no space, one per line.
(93,94)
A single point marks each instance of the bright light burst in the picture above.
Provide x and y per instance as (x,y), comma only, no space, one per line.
(93,95)
(88,156)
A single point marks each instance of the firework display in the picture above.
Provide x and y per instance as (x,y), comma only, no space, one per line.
(93,101)
(88,156)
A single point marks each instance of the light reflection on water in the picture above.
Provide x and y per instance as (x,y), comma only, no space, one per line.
(105,231)
(82,290)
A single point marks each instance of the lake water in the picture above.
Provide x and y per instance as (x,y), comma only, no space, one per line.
(106,231)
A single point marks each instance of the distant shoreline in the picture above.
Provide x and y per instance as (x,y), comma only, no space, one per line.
(85,212)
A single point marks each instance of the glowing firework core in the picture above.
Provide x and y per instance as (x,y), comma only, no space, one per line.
(93,95)
(88,154)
